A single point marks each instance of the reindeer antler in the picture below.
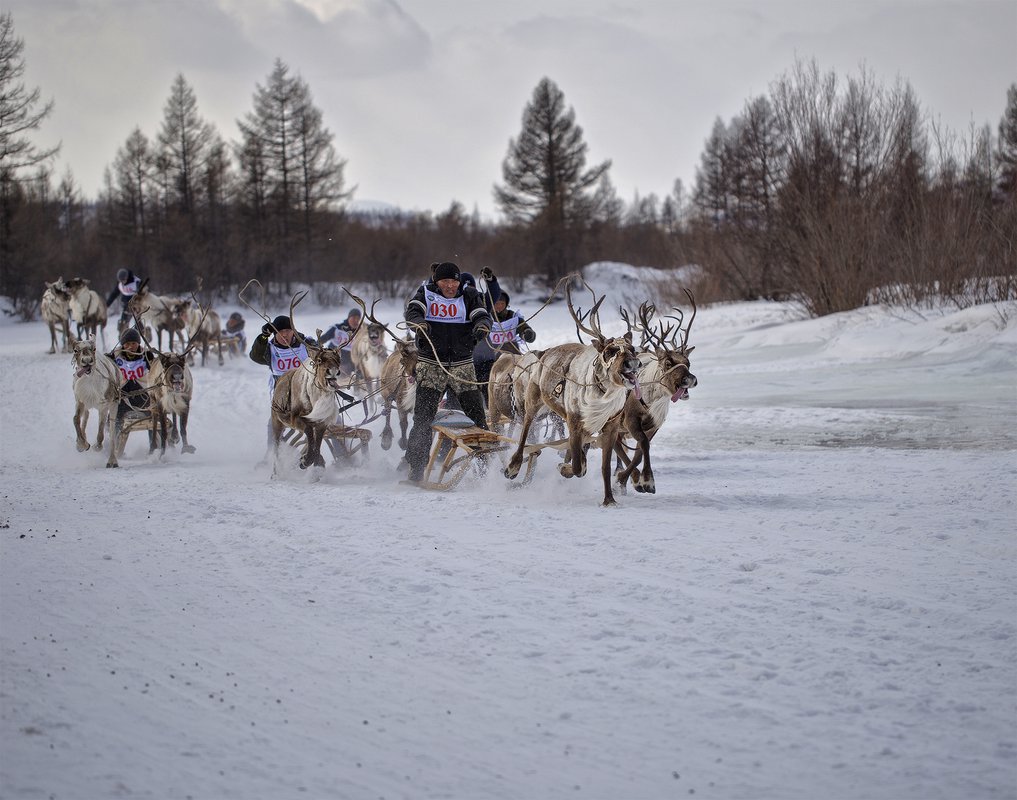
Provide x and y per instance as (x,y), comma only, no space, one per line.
(688,328)
(581,318)
(369,315)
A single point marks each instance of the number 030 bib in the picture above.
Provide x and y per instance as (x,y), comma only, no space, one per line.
(443,309)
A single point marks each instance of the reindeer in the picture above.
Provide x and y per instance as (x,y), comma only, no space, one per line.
(203,330)
(369,353)
(88,309)
(171,387)
(160,314)
(307,400)
(665,378)
(96,385)
(397,386)
(587,385)
(54,308)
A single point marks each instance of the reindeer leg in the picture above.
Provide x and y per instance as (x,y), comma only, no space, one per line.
(607,438)
(115,423)
(100,436)
(80,421)
(185,448)
(643,481)
(532,407)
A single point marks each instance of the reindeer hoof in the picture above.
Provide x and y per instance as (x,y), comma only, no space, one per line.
(112,466)
(188,448)
(82,446)
(511,472)
(386,440)
(566,470)
(609,501)
(402,444)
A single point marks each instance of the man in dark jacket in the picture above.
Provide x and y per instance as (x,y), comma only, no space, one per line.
(127,286)
(450,319)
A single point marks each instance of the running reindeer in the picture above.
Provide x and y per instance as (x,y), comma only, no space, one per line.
(665,377)
(54,309)
(159,313)
(587,385)
(88,309)
(307,399)
(96,385)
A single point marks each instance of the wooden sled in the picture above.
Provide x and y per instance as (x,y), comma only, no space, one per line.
(456,449)
(343,442)
(148,424)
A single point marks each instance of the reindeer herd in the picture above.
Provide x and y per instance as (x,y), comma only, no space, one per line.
(612,393)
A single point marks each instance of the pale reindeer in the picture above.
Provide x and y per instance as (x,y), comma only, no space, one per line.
(398,388)
(96,384)
(665,377)
(203,328)
(88,309)
(587,386)
(369,353)
(171,387)
(506,391)
(159,313)
(54,309)
(306,399)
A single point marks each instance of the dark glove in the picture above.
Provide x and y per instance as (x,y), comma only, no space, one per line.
(486,274)
(267,329)
(528,335)
(480,332)
(422,328)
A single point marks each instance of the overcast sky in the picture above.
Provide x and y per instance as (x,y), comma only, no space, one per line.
(424,95)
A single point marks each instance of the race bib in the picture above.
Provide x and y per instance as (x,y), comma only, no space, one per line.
(505,331)
(128,289)
(285,359)
(444,309)
(131,369)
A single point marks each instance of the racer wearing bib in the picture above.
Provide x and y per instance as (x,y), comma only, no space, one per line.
(341,336)
(128,285)
(133,363)
(508,332)
(450,319)
(281,349)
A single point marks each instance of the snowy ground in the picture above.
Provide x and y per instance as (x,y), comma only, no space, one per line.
(818,602)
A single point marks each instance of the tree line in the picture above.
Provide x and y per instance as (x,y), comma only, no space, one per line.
(832,195)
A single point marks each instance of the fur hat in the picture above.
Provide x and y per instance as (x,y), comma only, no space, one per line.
(446,269)
(282,323)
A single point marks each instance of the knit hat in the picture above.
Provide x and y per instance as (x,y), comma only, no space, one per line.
(354,312)
(122,275)
(130,335)
(504,297)
(467,279)
(282,323)
(446,269)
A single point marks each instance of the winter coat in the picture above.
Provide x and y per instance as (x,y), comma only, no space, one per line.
(453,342)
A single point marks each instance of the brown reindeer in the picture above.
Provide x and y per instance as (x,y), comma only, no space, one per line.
(159,313)
(96,384)
(171,388)
(398,388)
(88,309)
(54,308)
(586,385)
(369,353)
(307,400)
(665,377)
(204,326)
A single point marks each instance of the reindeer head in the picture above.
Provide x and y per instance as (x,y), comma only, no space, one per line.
(672,353)
(327,373)
(619,361)
(376,334)
(407,350)
(174,367)
(75,285)
(59,288)
(83,357)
